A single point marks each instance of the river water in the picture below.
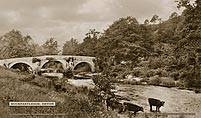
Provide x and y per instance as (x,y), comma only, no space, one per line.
(176,100)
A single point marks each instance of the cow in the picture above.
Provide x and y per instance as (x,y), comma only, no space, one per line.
(114,104)
(132,107)
(155,102)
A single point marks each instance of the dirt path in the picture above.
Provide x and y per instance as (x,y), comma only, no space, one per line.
(176,101)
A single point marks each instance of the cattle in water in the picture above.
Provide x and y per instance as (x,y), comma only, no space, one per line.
(114,104)
(132,107)
(155,102)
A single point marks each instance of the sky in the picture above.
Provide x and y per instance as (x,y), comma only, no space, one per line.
(66,19)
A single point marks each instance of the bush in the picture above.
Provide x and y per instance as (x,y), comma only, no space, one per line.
(104,83)
(161,72)
(167,82)
(139,71)
(175,75)
(191,77)
(76,102)
(155,63)
(179,84)
(153,72)
(150,73)
(154,80)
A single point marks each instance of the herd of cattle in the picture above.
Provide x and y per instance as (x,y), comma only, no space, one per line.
(126,106)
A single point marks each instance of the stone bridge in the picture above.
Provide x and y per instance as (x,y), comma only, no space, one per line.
(38,63)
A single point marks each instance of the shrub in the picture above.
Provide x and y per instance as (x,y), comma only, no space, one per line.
(76,102)
(150,73)
(103,82)
(167,82)
(154,80)
(175,75)
(155,63)
(161,72)
(153,72)
(191,77)
(139,71)
(179,84)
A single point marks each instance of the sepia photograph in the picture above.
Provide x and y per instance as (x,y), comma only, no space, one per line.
(100,58)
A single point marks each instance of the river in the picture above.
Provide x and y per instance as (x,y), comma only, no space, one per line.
(176,100)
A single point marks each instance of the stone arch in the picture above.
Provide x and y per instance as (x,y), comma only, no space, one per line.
(83,67)
(22,66)
(54,64)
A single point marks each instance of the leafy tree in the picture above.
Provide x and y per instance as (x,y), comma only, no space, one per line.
(50,47)
(14,44)
(167,31)
(190,29)
(173,15)
(39,51)
(70,47)
(155,18)
(126,40)
(146,22)
(88,47)
(190,42)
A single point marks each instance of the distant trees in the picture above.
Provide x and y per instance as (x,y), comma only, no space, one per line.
(14,44)
(50,47)
(173,15)
(190,28)
(89,44)
(125,40)
(155,19)
(146,22)
(189,44)
(70,47)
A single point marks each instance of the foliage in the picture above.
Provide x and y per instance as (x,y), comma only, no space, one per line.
(76,102)
(190,42)
(155,19)
(88,47)
(103,83)
(125,40)
(70,47)
(154,80)
(167,82)
(50,47)
(14,44)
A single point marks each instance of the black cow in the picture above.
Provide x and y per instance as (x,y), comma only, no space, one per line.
(114,104)
(132,107)
(155,102)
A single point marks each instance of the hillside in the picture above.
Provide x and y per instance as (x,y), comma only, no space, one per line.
(75,102)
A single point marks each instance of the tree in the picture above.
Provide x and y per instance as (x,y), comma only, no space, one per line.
(126,40)
(146,22)
(173,15)
(92,34)
(190,29)
(154,19)
(190,42)
(185,3)
(14,44)
(70,47)
(88,46)
(50,47)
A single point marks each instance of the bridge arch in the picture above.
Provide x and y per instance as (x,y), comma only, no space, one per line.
(83,66)
(56,64)
(22,66)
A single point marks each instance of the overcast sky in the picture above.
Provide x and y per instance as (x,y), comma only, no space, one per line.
(63,19)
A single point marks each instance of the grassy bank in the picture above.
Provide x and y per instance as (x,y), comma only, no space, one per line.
(75,102)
